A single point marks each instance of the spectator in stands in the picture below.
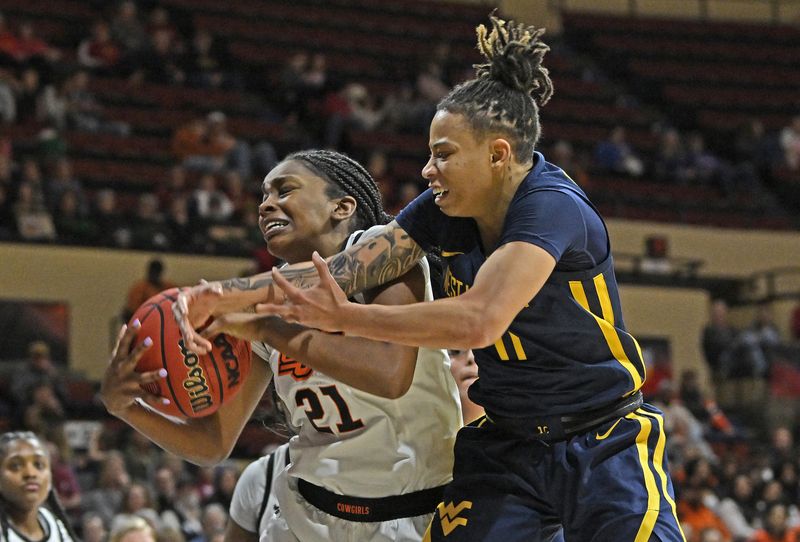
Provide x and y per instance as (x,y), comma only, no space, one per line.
(378,166)
(148,227)
(27,95)
(127,30)
(702,167)
(99,52)
(431,85)
(38,369)
(208,146)
(738,509)
(8,227)
(166,502)
(406,111)
(132,529)
(782,447)
(7,43)
(215,517)
(695,516)
(225,477)
(160,20)
(181,229)
(315,77)
(62,180)
(43,412)
(351,108)
(703,407)
(615,155)
(162,63)
(8,99)
(105,499)
(65,479)
(34,222)
(756,344)
(84,112)
(72,223)
(141,455)
(174,187)
(670,157)
(208,64)
(772,493)
(776,526)
(291,86)
(110,224)
(719,339)
(30,50)
(686,433)
(208,203)
(563,155)
(92,528)
(145,288)
(137,501)
(790,143)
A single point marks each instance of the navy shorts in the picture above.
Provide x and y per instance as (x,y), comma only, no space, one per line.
(608,484)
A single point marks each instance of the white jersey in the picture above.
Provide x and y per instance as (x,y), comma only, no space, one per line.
(54,529)
(354,443)
(253,503)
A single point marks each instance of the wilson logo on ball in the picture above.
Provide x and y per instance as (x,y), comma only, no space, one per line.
(195,382)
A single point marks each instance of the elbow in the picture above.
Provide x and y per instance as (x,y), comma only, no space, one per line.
(210,456)
(482,329)
(399,381)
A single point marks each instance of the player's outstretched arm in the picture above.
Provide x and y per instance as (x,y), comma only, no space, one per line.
(376,367)
(373,261)
(203,441)
(508,280)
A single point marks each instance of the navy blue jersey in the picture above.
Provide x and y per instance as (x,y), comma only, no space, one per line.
(568,350)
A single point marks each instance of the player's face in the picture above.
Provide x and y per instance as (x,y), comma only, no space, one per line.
(25,477)
(459,168)
(295,211)
(463,368)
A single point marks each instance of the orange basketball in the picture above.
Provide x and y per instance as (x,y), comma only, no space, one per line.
(196,385)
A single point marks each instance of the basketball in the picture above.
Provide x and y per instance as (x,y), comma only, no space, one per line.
(196,385)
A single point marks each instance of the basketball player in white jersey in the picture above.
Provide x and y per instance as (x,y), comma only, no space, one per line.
(29,508)
(375,422)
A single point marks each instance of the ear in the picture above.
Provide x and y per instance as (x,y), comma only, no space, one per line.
(500,150)
(345,208)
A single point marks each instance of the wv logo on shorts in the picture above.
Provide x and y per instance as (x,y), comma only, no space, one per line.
(449,515)
(292,367)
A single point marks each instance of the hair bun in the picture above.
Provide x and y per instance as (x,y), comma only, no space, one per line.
(514,53)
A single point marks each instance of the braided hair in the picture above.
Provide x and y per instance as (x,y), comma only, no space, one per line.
(346,177)
(52,502)
(508,90)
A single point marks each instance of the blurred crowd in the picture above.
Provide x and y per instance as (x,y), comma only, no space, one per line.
(207,201)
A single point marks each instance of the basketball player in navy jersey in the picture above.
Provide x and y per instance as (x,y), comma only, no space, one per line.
(566,438)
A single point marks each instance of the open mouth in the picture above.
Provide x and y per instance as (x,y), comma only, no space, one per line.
(274,227)
(439,194)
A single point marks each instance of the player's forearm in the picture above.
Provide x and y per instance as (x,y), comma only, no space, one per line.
(377,260)
(457,323)
(375,367)
(200,441)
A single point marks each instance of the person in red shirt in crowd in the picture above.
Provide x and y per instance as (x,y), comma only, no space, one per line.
(776,528)
(695,516)
(99,52)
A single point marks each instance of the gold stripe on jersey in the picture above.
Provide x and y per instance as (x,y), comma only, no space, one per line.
(501,349)
(517,346)
(605,299)
(658,463)
(607,328)
(653,496)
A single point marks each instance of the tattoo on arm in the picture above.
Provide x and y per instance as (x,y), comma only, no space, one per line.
(377,261)
(366,265)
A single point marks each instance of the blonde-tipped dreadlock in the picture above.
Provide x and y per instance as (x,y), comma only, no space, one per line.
(509,88)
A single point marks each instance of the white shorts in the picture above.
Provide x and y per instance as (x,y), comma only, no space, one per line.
(290,518)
